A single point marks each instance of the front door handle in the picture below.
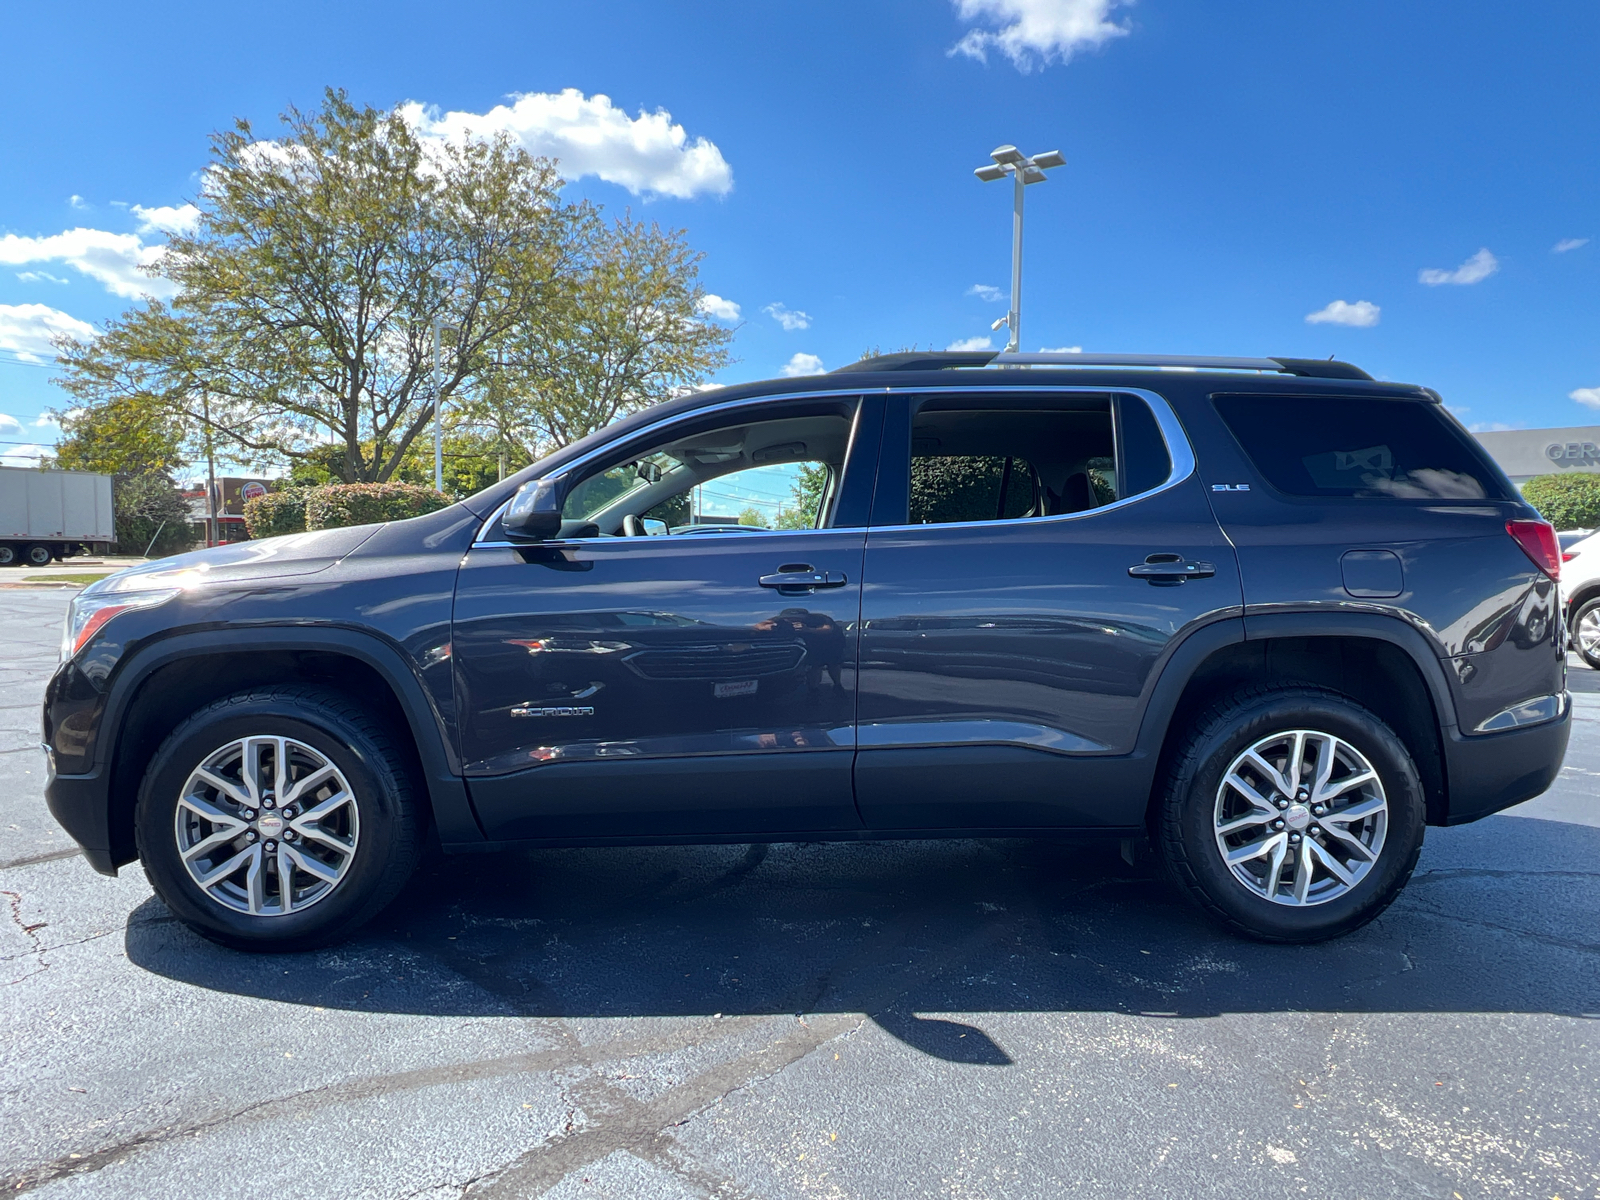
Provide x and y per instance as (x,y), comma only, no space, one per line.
(1168,570)
(803,579)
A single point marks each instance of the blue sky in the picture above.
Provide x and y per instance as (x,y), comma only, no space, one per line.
(1231,168)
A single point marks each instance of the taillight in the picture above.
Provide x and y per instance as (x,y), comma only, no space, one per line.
(1567,556)
(1538,542)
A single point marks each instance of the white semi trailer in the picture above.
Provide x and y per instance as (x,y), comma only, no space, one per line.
(46,515)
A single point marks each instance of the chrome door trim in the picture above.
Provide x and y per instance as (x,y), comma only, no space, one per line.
(1178,450)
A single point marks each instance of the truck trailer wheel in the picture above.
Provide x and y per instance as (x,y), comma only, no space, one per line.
(8,555)
(39,555)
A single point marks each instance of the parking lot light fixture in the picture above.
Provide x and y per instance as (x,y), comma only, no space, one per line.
(1008,160)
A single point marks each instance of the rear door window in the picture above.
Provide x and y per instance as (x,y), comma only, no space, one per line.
(1019,456)
(1360,447)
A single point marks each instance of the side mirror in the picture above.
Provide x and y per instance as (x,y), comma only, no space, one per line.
(535,511)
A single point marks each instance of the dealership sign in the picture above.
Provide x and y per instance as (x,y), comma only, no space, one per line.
(1569,452)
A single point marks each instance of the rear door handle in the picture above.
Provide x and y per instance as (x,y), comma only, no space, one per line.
(1169,570)
(804,580)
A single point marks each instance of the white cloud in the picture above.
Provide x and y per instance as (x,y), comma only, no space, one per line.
(646,154)
(181,218)
(713,305)
(972,343)
(46,421)
(19,455)
(790,318)
(1490,427)
(1589,396)
(25,456)
(112,258)
(986,291)
(1566,244)
(38,277)
(1034,32)
(803,364)
(76,201)
(1475,270)
(1363,314)
(26,330)
(1060,349)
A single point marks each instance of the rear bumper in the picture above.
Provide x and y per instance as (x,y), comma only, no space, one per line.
(79,803)
(1493,771)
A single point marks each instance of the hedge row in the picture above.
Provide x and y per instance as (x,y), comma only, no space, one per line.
(295,510)
(1566,501)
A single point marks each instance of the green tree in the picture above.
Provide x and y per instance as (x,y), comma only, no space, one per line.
(150,515)
(805,497)
(308,293)
(301,333)
(624,334)
(132,434)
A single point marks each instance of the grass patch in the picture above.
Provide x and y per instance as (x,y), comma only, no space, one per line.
(86,578)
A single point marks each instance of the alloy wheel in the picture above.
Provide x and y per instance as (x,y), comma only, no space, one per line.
(267,826)
(1300,817)
(1589,634)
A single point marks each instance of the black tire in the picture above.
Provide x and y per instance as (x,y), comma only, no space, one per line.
(1186,834)
(39,555)
(375,768)
(1591,655)
(8,555)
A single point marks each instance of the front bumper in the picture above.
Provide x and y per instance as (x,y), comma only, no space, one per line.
(1490,772)
(80,804)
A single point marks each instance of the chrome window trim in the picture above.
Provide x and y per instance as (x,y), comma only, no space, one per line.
(1179,451)
(600,451)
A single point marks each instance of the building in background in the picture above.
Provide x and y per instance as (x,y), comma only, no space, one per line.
(232,492)
(1524,453)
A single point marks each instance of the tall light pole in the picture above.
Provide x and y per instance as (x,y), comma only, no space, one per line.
(1008,160)
(438,433)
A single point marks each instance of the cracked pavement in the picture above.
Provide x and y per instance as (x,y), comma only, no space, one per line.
(965,1019)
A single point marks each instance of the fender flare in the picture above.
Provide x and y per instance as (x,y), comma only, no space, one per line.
(1188,656)
(447,792)
(1377,626)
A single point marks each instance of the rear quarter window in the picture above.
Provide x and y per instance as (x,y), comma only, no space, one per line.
(1360,447)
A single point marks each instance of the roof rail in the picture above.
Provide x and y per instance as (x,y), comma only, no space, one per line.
(928,360)
(1315,368)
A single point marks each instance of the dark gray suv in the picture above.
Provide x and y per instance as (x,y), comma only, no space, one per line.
(1269,615)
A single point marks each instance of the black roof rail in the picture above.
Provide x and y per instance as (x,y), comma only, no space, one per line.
(927,360)
(937,360)
(1321,368)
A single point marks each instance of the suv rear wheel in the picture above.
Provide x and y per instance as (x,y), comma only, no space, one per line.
(1292,815)
(277,819)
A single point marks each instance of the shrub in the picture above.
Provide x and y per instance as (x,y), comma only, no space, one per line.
(341,504)
(276,513)
(150,514)
(1567,501)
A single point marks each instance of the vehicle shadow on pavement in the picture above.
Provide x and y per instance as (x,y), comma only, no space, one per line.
(901,930)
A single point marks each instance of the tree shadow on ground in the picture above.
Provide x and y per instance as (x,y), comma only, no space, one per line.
(898,930)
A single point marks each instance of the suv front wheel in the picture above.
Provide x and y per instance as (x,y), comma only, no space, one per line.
(1291,815)
(277,819)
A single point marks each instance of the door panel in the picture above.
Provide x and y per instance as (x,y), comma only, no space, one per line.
(616,651)
(1005,663)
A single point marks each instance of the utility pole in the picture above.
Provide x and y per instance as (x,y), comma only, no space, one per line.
(438,431)
(1008,160)
(211,475)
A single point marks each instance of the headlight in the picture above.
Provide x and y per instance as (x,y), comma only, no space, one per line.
(89,612)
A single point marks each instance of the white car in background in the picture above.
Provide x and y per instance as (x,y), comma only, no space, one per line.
(1580,594)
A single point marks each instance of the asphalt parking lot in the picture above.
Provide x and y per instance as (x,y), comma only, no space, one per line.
(961,1019)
